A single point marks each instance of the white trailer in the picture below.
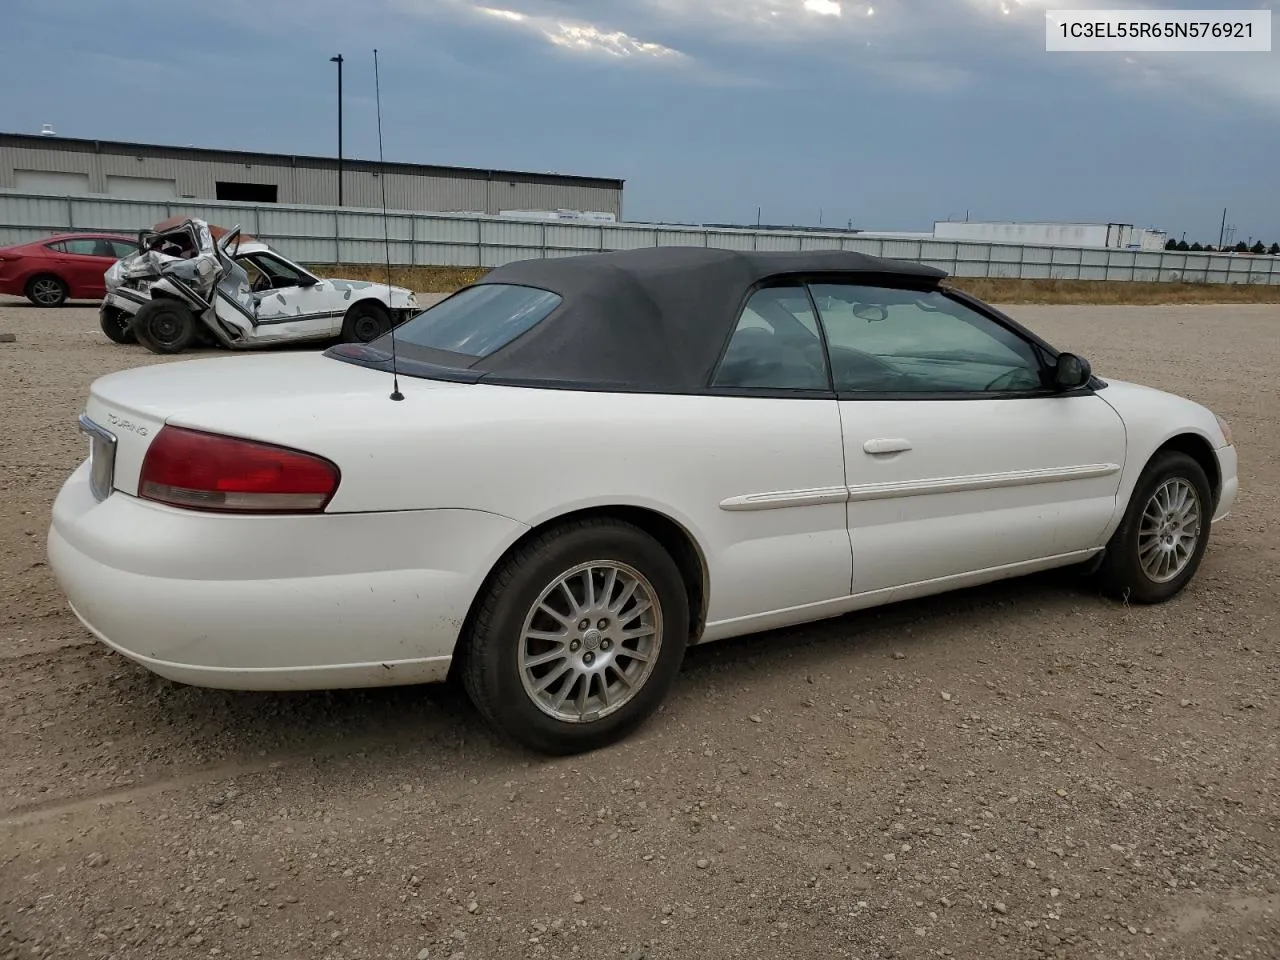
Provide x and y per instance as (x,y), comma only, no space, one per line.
(1116,236)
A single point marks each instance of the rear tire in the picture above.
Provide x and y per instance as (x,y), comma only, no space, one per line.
(117,325)
(365,321)
(1159,544)
(617,648)
(47,290)
(164,326)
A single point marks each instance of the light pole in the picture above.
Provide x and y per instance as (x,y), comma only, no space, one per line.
(338,61)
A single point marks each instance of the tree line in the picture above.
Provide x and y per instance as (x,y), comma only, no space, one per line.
(1241,247)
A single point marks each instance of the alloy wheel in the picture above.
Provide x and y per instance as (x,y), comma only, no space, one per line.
(46,291)
(590,641)
(1169,530)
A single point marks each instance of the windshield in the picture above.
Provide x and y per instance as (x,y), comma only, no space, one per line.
(475,322)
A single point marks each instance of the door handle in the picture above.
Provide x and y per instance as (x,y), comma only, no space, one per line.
(882,445)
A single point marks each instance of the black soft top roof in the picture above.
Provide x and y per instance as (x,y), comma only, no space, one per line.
(656,318)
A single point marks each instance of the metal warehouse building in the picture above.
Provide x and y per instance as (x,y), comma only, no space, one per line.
(67,167)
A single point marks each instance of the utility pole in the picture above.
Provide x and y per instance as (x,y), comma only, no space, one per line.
(1222,231)
(338,61)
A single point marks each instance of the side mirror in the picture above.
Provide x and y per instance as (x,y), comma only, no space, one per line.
(307,281)
(1072,372)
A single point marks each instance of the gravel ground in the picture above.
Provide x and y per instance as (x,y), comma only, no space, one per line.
(1018,771)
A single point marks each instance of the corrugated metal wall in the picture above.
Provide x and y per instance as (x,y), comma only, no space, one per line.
(310,183)
(328,235)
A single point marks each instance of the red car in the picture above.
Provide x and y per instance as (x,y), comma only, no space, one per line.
(68,266)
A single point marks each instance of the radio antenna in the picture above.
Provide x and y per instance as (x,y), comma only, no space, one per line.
(386,232)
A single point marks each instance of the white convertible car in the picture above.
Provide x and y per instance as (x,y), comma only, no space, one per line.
(595,461)
(196,284)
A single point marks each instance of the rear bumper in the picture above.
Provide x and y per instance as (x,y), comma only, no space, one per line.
(128,304)
(273,603)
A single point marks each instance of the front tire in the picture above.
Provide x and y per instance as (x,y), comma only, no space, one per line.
(365,322)
(577,638)
(1159,544)
(47,290)
(165,326)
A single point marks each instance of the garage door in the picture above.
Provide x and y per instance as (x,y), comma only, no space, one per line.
(142,188)
(50,181)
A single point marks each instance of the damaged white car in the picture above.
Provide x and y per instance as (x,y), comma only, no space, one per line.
(197,284)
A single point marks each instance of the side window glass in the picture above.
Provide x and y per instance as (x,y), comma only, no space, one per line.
(123,248)
(86,247)
(776,345)
(904,341)
(280,273)
(257,279)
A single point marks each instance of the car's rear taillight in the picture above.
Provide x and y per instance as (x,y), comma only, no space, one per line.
(207,471)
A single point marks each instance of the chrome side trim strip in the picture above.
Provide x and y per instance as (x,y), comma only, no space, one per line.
(982,481)
(786,498)
(860,493)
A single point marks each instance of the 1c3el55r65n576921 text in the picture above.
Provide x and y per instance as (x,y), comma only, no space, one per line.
(1144,30)
(1182,31)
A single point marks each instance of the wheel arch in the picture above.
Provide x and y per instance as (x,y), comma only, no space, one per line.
(1116,564)
(1188,440)
(365,301)
(1199,449)
(42,274)
(674,537)
(163,294)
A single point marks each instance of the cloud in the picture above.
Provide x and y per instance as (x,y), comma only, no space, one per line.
(583,37)
(825,8)
(774,20)
(923,47)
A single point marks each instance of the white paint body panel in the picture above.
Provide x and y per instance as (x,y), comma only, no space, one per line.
(315,312)
(984,483)
(1151,418)
(273,602)
(486,448)
(436,488)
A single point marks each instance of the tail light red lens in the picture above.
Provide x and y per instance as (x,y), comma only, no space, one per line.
(207,471)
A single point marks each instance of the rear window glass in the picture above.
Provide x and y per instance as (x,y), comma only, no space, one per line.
(479,320)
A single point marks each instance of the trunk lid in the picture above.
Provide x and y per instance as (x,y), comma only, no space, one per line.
(283,398)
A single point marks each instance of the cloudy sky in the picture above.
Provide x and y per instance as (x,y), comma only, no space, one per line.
(886,113)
